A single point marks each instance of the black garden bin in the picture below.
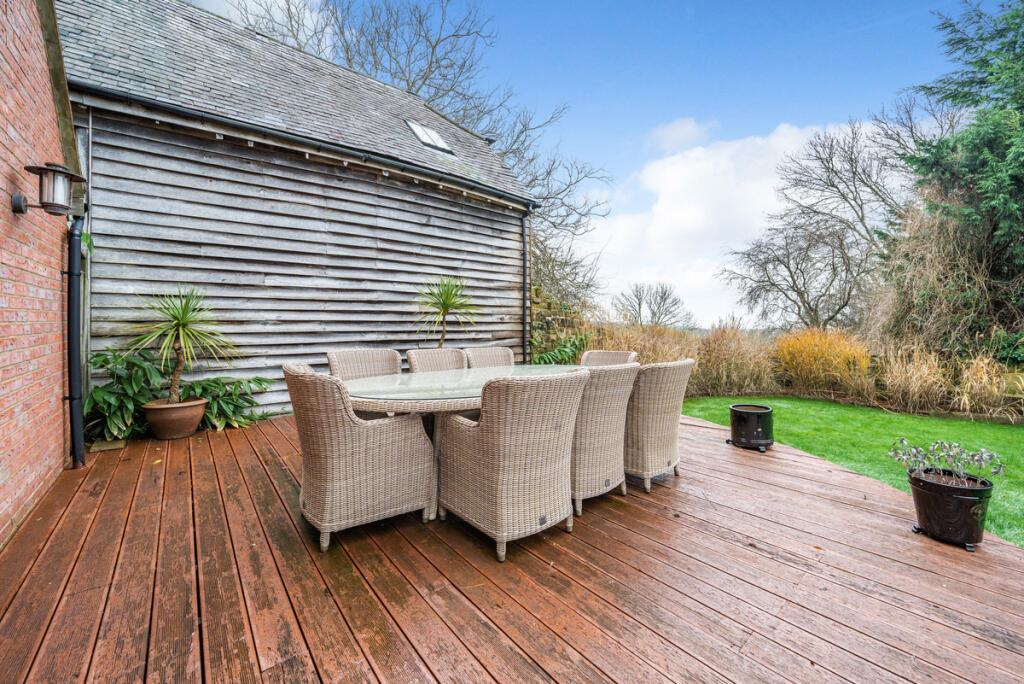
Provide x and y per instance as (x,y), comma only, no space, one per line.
(751,426)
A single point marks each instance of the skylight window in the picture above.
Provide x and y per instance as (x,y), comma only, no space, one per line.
(429,137)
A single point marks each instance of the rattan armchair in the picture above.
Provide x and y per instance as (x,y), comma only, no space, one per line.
(426,360)
(652,420)
(356,471)
(601,357)
(350,364)
(508,474)
(597,465)
(482,357)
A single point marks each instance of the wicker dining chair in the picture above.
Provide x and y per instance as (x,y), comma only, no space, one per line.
(356,471)
(508,473)
(483,357)
(426,360)
(652,420)
(351,364)
(597,447)
(601,357)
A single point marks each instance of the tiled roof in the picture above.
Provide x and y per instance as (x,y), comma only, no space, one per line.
(173,53)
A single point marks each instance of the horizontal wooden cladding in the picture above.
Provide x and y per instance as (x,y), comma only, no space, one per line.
(239,171)
(296,256)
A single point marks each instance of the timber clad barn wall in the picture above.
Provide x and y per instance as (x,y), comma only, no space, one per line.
(33,441)
(297,256)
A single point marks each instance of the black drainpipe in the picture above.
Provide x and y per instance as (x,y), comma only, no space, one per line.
(526,288)
(75,342)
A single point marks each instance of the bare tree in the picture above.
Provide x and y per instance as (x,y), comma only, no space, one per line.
(846,195)
(843,180)
(911,120)
(299,23)
(795,274)
(652,304)
(665,307)
(434,49)
(631,303)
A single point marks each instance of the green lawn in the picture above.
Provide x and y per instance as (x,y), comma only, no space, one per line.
(859,438)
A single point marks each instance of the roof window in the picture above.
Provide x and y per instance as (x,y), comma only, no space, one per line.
(429,137)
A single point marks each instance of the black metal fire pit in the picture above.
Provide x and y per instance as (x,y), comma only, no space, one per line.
(751,426)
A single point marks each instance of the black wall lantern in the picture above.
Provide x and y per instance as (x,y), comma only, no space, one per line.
(55,182)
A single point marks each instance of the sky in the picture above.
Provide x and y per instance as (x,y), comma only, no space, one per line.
(690,106)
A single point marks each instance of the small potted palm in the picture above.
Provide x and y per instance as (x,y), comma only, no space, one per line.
(951,489)
(443,298)
(184,328)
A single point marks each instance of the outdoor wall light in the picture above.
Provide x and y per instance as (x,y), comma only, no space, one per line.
(54,190)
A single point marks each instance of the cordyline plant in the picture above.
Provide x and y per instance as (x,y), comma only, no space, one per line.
(184,326)
(949,461)
(440,299)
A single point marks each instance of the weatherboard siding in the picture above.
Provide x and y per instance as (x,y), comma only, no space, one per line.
(297,256)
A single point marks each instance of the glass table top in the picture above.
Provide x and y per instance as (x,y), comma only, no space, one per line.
(451,384)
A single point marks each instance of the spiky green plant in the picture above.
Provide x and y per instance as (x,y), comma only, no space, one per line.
(185,326)
(440,299)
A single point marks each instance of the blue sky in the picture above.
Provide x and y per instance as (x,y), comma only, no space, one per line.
(691,106)
(626,67)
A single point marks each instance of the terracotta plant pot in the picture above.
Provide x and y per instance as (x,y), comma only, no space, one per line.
(949,512)
(171,421)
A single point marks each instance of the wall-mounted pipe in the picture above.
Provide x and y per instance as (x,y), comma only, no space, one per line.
(75,342)
(526,287)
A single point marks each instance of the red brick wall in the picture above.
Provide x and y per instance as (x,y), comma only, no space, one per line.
(33,432)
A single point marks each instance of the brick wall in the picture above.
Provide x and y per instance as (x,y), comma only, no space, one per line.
(33,432)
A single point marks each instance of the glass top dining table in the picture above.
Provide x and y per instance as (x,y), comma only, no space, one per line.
(435,391)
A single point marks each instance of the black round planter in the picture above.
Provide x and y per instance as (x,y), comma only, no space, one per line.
(951,513)
(751,426)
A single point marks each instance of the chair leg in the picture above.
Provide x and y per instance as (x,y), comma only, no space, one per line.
(622,488)
(577,504)
(325,541)
(426,514)
(501,552)
(441,512)
(568,524)
(675,470)
(647,485)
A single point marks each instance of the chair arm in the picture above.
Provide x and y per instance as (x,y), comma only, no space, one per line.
(458,433)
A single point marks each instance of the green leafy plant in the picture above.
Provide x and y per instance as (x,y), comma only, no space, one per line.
(230,401)
(443,298)
(87,241)
(966,468)
(1009,347)
(566,350)
(114,410)
(185,327)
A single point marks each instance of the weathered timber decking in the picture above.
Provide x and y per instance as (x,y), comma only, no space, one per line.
(190,560)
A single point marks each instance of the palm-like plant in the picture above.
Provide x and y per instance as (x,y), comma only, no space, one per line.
(440,299)
(185,326)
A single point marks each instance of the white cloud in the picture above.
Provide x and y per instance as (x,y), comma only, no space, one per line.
(700,201)
(679,134)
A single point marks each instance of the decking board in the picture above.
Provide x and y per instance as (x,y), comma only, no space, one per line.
(190,561)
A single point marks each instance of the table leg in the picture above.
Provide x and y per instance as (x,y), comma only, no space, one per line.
(437,464)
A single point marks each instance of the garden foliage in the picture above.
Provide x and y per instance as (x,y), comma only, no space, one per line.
(114,410)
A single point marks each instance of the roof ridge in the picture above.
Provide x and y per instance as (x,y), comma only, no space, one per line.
(248,29)
(188,56)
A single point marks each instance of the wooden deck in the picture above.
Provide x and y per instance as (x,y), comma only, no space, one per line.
(187,560)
